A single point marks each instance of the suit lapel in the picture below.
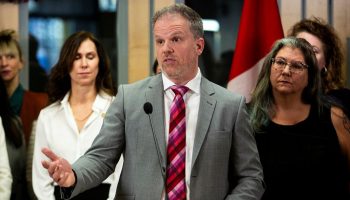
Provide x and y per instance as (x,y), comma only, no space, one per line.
(206,109)
(154,94)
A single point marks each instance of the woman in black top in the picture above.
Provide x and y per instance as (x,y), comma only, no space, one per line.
(297,137)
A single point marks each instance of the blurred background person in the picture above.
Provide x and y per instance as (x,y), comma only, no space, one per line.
(37,75)
(222,68)
(298,138)
(80,90)
(24,103)
(156,68)
(15,146)
(327,47)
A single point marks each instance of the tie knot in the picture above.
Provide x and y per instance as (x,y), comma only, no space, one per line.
(179,89)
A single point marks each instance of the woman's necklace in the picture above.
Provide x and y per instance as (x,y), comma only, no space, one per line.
(84,118)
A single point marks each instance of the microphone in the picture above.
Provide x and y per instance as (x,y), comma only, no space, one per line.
(148,108)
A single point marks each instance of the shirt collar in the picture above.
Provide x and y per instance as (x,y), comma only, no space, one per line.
(99,104)
(193,85)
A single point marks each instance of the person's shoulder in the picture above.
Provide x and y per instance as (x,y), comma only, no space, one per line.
(28,92)
(144,83)
(221,92)
(104,95)
(36,96)
(340,97)
(341,92)
(51,109)
(103,100)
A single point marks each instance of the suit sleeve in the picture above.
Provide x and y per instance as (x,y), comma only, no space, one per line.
(247,170)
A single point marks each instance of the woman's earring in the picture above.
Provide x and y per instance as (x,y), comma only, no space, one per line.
(324,71)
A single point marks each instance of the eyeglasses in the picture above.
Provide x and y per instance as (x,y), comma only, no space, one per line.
(294,66)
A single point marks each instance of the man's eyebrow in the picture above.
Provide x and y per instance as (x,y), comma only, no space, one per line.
(172,34)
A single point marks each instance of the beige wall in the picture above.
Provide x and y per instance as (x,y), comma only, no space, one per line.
(9,16)
(138,34)
(291,12)
(139,43)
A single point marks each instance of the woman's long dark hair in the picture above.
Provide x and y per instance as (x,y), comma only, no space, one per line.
(59,79)
(10,121)
(261,105)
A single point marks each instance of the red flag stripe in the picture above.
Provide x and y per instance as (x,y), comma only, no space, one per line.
(260,26)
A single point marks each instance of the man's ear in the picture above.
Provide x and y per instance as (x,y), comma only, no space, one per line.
(200,45)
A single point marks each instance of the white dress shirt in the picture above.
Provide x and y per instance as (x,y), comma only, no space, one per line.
(5,170)
(57,130)
(191,99)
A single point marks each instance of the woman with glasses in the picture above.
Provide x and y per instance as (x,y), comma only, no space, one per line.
(297,137)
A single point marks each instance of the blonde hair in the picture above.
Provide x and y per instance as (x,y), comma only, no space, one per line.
(8,40)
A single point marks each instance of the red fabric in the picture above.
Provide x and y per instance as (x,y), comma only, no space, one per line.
(32,104)
(260,27)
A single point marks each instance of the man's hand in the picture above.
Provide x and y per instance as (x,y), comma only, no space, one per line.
(59,169)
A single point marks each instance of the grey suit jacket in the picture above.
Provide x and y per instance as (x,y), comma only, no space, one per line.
(225,161)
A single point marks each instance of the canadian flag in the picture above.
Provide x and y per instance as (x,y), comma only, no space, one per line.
(260,26)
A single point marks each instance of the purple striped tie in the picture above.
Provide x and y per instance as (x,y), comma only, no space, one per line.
(176,152)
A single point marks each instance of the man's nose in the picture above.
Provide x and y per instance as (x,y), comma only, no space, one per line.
(167,47)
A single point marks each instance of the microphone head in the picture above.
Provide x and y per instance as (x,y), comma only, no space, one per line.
(148,108)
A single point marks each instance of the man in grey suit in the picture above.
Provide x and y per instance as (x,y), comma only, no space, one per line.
(222,160)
